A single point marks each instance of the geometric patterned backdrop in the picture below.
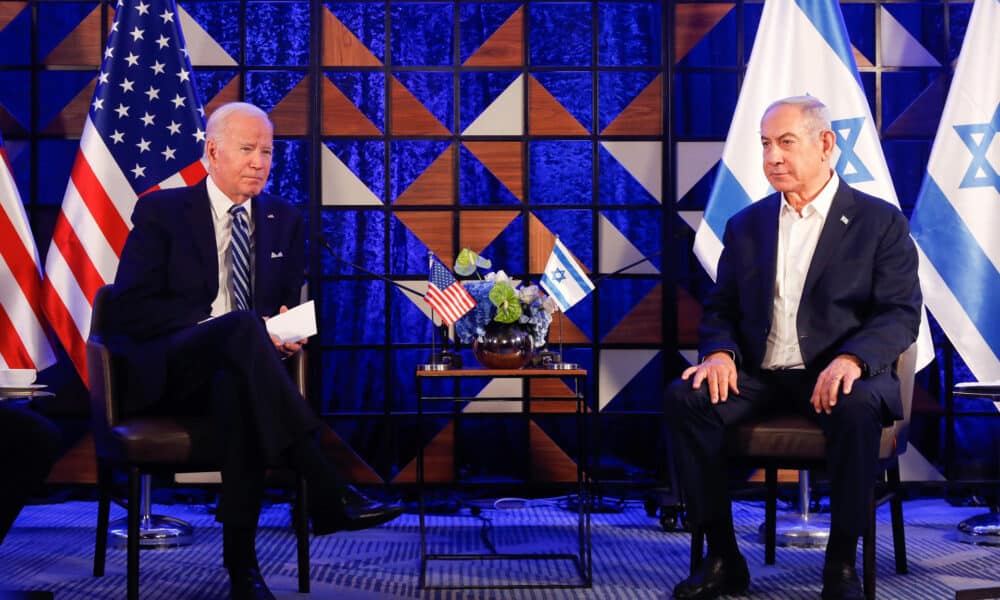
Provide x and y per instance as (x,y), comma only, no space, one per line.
(404,128)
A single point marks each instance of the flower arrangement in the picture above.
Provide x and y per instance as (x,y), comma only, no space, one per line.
(501,299)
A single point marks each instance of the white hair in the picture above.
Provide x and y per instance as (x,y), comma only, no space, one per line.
(815,114)
(220,116)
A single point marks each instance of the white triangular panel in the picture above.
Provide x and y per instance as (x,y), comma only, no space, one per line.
(617,369)
(617,251)
(644,161)
(900,48)
(692,217)
(202,48)
(691,356)
(505,116)
(341,186)
(694,159)
(914,467)
(498,388)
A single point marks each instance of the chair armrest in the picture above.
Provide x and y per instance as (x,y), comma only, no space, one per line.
(103,402)
(297,369)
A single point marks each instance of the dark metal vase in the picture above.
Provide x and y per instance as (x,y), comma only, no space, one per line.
(504,346)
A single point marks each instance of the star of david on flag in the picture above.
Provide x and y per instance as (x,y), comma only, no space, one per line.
(563,279)
(801,48)
(446,295)
(144,131)
(956,220)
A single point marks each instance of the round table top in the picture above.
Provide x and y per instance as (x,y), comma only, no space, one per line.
(30,391)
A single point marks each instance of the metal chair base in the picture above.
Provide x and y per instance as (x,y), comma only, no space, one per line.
(981,529)
(802,530)
(155,532)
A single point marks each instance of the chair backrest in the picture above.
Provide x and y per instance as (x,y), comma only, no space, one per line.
(101,374)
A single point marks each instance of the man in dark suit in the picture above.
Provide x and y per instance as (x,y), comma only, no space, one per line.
(202,269)
(816,297)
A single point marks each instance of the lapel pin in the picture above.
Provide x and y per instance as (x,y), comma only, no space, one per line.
(844,219)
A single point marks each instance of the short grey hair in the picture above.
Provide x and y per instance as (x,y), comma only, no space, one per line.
(217,120)
(815,114)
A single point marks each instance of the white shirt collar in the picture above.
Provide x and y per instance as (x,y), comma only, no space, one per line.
(823,201)
(221,202)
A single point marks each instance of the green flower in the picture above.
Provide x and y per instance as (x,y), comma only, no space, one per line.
(468,261)
(508,304)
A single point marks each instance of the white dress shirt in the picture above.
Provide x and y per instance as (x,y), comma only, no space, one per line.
(797,239)
(223,223)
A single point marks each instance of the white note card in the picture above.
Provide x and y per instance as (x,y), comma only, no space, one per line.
(296,324)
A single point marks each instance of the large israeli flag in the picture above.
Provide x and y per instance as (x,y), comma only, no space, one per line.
(956,221)
(801,48)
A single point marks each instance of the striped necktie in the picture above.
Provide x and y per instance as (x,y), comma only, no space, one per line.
(240,248)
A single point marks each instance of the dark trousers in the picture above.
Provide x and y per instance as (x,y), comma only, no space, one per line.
(852,430)
(229,369)
(29,446)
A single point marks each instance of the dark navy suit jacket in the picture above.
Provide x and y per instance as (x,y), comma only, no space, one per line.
(168,277)
(861,294)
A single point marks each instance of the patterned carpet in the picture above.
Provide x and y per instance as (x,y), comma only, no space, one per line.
(51,548)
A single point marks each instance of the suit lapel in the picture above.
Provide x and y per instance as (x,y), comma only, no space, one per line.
(767,233)
(837,221)
(263,233)
(198,212)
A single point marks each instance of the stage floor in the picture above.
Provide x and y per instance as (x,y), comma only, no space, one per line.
(51,548)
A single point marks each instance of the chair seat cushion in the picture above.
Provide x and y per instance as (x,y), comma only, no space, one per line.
(155,440)
(791,436)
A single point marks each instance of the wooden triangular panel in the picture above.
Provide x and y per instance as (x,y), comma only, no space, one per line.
(347,461)
(643,324)
(922,116)
(433,228)
(9,125)
(861,59)
(341,116)
(77,465)
(549,387)
(505,48)
(643,115)
(341,48)
(504,161)
(478,229)
(549,462)
(290,116)
(9,10)
(84,45)
(434,185)
(571,334)
(410,116)
(541,241)
(71,118)
(439,459)
(229,93)
(546,116)
(693,21)
(688,318)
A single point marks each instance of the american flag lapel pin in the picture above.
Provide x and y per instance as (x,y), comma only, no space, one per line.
(844,219)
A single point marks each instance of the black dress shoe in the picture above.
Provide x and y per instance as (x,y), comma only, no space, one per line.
(715,577)
(841,582)
(352,516)
(248,584)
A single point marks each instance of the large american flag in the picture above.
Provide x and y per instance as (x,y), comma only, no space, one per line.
(145,131)
(23,342)
(446,295)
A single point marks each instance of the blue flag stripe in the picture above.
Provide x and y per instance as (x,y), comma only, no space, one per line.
(727,198)
(826,17)
(959,259)
(553,289)
(572,268)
